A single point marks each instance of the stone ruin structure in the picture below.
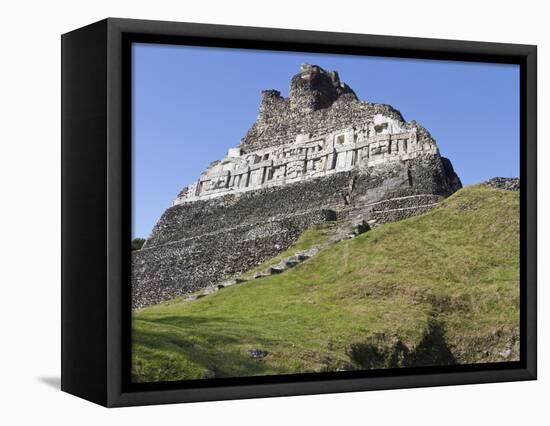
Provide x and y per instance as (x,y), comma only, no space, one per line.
(509,184)
(317,155)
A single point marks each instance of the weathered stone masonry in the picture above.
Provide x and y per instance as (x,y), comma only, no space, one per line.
(316,156)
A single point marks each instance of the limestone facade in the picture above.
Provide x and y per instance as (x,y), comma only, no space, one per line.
(382,140)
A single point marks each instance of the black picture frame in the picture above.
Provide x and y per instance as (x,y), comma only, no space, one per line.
(96,211)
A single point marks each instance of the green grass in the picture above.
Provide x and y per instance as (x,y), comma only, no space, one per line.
(457,264)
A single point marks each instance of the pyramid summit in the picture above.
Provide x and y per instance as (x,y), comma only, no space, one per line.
(313,89)
(318,102)
(316,156)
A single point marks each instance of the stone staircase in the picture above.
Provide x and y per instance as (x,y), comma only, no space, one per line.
(276,269)
(353,221)
(342,231)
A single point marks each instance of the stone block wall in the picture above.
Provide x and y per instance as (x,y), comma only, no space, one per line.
(207,216)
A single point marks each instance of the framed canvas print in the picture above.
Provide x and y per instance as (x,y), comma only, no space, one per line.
(253,212)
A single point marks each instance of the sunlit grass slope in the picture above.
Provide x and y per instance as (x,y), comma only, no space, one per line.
(445,281)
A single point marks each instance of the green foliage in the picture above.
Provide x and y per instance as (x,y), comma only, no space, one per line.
(137,243)
(456,266)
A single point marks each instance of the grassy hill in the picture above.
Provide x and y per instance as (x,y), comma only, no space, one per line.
(439,288)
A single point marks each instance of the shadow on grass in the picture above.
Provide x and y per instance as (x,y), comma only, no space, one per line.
(217,346)
(433,348)
(388,351)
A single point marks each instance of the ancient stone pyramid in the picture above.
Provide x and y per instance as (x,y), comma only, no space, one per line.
(319,155)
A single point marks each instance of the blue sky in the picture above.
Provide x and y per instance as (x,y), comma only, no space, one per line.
(190,104)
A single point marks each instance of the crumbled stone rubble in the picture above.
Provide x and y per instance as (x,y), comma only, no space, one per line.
(509,184)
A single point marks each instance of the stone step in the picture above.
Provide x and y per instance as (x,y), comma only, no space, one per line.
(277,269)
(292,262)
